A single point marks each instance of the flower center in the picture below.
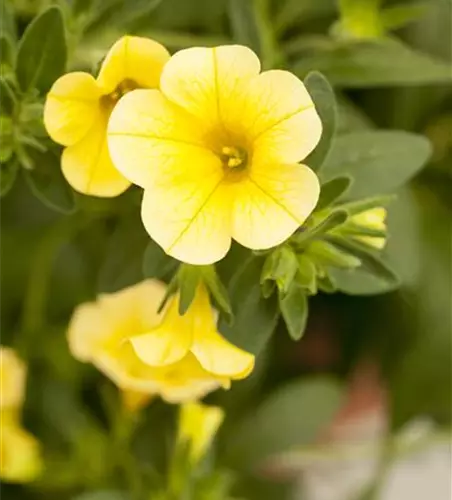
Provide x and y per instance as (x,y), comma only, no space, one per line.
(125,86)
(234,157)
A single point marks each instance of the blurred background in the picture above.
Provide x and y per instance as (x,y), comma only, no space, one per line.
(360,408)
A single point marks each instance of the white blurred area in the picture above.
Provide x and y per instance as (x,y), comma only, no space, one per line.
(350,456)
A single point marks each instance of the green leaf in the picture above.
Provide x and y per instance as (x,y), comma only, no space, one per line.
(292,11)
(294,309)
(323,96)
(156,263)
(306,276)
(378,161)
(7,53)
(255,317)
(361,281)
(397,16)
(7,98)
(217,290)
(291,417)
(374,63)
(41,58)
(121,266)
(47,182)
(356,207)
(244,29)
(280,266)
(326,283)
(334,219)
(8,174)
(327,254)
(371,262)
(7,21)
(332,190)
(6,138)
(188,279)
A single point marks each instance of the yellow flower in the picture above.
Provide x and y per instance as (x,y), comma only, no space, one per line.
(134,401)
(178,357)
(198,425)
(78,107)
(20,458)
(12,379)
(216,152)
(371,219)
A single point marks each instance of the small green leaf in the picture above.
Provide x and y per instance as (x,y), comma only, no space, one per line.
(280,266)
(374,63)
(325,103)
(188,279)
(7,98)
(334,219)
(356,207)
(7,53)
(47,182)
(217,290)
(8,27)
(41,58)
(397,16)
(370,260)
(327,254)
(243,23)
(294,309)
(255,317)
(361,281)
(121,266)
(8,174)
(156,263)
(306,276)
(326,283)
(378,161)
(332,190)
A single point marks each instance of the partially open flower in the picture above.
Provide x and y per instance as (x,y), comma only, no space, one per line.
(217,153)
(198,425)
(178,357)
(78,107)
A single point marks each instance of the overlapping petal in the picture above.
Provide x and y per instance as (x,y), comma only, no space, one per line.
(72,107)
(281,120)
(209,82)
(87,165)
(272,202)
(134,60)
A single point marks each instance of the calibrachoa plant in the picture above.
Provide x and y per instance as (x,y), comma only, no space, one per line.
(251,203)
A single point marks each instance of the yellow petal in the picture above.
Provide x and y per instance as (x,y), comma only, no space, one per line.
(20,459)
(87,165)
(281,120)
(134,401)
(152,140)
(207,82)
(12,379)
(198,425)
(134,59)
(189,220)
(88,330)
(71,107)
(272,203)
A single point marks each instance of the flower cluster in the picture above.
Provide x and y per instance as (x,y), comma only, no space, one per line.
(177,357)
(19,450)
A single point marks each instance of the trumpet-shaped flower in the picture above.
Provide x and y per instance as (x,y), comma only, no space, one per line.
(216,152)
(178,357)
(78,107)
(198,425)
(12,379)
(371,219)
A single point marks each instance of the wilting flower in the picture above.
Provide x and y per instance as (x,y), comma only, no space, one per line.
(20,459)
(178,357)
(198,425)
(373,219)
(78,107)
(216,152)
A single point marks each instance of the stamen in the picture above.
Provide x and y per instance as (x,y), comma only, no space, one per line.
(234,157)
